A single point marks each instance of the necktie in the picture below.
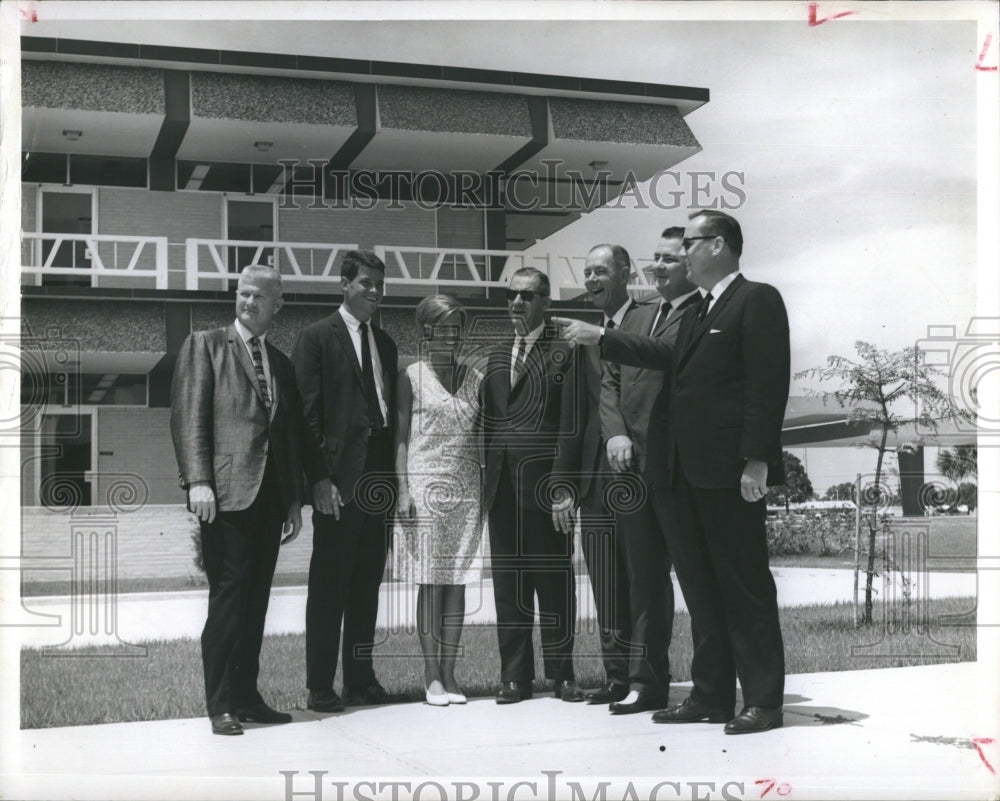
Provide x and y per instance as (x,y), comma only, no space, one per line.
(375,419)
(258,368)
(661,315)
(610,325)
(703,306)
(518,362)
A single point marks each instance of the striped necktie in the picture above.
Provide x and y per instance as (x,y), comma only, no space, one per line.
(258,368)
(518,362)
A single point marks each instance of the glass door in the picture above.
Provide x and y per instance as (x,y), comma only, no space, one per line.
(253,221)
(66,213)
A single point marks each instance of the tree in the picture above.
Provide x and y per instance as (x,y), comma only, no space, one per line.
(968,494)
(844,491)
(958,463)
(797,487)
(873,390)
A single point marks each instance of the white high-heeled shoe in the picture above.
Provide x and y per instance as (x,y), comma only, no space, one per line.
(437,699)
(456,698)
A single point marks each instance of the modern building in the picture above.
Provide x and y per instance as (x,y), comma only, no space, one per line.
(151,174)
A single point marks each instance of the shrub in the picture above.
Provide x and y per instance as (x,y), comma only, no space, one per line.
(823,532)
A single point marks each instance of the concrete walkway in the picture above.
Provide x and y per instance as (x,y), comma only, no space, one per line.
(914,733)
(92,620)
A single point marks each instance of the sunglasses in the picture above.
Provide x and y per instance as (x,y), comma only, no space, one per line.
(527,295)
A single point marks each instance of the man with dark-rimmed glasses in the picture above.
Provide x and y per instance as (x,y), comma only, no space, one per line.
(727,384)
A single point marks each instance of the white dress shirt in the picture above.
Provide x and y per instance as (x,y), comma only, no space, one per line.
(719,288)
(354,329)
(529,342)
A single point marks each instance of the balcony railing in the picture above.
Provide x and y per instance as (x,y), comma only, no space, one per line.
(308,266)
(100,259)
(214,259)
(415,267)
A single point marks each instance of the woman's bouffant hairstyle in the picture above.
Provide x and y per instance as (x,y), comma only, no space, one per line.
(434,308)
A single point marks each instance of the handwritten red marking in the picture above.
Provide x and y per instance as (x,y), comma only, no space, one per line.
(982,56)
(978,741)
(781,789)
(33,15)
(815,20)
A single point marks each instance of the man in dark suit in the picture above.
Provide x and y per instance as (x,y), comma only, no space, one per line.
(606,274)
(236,422)
(529,389)
(727,396)
(346,368)
(627,400)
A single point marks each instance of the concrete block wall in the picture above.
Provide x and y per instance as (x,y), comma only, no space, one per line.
(175,215)
(134,446)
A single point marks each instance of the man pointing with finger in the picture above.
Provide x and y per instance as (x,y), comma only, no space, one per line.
(236,422)
(728,386)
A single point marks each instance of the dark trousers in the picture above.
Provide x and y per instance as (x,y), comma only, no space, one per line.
(240,550)
(601,539)
(345,573)
(720,555)
(643,532)
(528,557)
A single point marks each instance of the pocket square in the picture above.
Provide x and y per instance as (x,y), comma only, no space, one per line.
(715,330)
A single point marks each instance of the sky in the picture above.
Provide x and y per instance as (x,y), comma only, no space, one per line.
(856,138)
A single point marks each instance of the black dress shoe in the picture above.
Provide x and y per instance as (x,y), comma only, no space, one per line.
(226,723)
(754,719)
(511,692)
(691,710)
(644,703)
(372,694)
(262,713)
(568,690)
(325,701)
(609,693)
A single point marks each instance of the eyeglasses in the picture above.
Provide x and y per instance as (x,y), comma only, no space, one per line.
(686,241)
(527,295)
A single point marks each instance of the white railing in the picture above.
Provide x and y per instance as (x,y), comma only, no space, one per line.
(456,267)
(297,261)
(96,256)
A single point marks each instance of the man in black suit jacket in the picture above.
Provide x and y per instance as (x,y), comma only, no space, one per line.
(346,368)
(606,274)
(236,423)
(729,387)
(627,400)
(529,389)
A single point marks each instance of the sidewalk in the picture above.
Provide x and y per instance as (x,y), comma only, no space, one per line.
(895,733)
(49,621)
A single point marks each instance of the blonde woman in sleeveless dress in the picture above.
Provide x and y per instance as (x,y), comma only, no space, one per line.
(438,516)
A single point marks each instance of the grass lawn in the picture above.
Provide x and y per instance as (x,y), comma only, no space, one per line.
(167,683)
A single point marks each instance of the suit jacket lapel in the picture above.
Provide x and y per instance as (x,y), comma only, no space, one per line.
(697,330)
(236,343)
(344,337)
(276,380)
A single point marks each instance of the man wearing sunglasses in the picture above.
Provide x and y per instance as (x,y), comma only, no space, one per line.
(727,384)
(529,397)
